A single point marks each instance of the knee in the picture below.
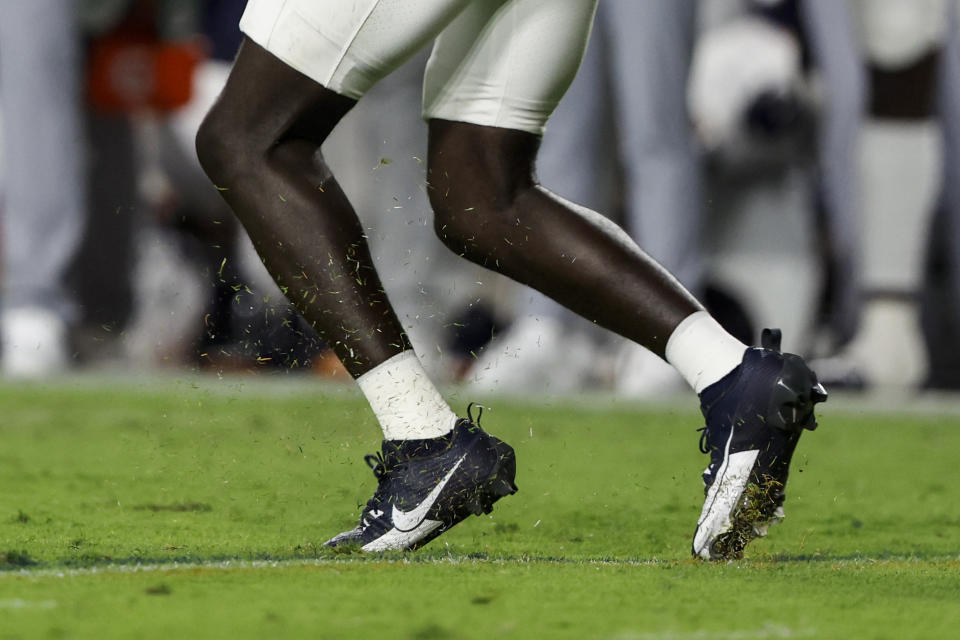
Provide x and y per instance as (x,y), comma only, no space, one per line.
(234,144)
(219,147)
(476,216)
(213,142)
(471,210)
(477,175)
(461,212)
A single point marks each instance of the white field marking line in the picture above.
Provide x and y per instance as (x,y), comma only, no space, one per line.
(233,565)
(766,632)
(228,565)
(17,603)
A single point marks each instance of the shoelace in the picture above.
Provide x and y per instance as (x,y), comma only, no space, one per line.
(703,440)
(470,413)
(379,467)
(378,464)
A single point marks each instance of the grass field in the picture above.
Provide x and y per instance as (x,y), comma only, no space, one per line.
(187,509)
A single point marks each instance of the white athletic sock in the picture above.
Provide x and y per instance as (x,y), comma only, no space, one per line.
(403,398)
(702,351)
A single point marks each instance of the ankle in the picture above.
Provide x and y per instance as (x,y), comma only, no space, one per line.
(702,351)
(406,403)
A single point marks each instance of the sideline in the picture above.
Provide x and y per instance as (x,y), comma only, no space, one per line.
(245,565)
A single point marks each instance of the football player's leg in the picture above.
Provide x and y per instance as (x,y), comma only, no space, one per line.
(490,209)
(259,145)
(488,98)
(301,69)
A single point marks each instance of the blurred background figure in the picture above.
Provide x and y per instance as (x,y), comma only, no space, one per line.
(777,97)
(904,148)
(863,79)
(43,182)
(139,57)
(901,161)
(940,295)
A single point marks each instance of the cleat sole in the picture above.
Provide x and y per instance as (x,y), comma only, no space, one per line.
(755,511)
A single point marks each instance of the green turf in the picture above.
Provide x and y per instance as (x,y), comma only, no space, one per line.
(199,511)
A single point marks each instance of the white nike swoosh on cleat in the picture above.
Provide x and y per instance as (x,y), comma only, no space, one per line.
(405,521)
(396,540)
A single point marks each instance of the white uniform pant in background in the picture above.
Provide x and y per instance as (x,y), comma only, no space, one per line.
(42,182)
(43,187)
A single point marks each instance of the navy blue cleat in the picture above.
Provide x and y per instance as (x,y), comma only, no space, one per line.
(425,487)
(754,418)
